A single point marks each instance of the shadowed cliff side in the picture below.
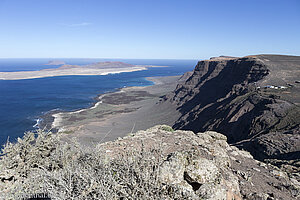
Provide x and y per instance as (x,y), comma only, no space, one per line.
(253,100)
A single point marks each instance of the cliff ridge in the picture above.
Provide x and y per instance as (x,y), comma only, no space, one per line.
(253,100)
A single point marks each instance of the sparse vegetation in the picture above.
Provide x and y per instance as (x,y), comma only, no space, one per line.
(151,164)
(41,164)
(68,132)
(167,128)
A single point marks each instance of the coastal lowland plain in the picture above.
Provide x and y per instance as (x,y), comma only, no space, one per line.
(100,68)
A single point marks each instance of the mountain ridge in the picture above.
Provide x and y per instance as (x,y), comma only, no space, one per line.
(247,99)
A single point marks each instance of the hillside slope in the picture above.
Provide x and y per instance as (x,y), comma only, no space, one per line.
(253,100)
(157,163)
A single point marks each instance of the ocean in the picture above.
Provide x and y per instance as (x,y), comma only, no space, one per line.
(23,102)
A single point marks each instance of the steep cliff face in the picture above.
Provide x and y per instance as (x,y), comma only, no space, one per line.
(245,99)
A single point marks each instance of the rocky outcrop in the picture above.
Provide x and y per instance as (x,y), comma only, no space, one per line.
(158,163)
(205,166)
(253,100)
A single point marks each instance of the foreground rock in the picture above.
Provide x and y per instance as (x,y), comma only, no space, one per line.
(205,166)
(158,163)
(253,100)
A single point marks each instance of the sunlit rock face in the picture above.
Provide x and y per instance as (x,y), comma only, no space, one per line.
(158,163)
(205,166)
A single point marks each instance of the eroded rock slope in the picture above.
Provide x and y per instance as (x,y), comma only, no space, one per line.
(158,163)
(253,100)
(205,166)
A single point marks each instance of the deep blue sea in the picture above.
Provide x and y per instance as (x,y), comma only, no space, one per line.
(22,102)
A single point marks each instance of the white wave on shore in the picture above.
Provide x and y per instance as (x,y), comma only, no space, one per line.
(58,118)
(36,125)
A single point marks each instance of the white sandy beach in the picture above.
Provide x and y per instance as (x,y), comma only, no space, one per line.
(65,72)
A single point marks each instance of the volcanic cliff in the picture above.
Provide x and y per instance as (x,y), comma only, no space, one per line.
(253,100)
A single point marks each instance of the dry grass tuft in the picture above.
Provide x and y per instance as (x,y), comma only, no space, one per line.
(40,163)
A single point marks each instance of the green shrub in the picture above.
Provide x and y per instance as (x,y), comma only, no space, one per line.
(167,128)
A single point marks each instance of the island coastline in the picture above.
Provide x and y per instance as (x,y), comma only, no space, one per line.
(76,72)
(100,68)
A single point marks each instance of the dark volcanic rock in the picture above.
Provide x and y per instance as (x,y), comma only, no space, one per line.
(253,100)
(275,145)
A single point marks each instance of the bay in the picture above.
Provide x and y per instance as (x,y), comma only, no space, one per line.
(22,102)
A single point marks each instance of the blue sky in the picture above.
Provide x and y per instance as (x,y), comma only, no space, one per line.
(186,29)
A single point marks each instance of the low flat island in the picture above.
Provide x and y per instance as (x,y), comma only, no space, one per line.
(99,68)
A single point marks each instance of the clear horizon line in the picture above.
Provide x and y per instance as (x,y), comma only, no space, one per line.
(146,58)
(99,58)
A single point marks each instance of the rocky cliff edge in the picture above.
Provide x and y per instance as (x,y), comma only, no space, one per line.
(158,163)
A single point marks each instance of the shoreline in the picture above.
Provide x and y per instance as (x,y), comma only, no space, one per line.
(57,116)
(117,113)
(24,75)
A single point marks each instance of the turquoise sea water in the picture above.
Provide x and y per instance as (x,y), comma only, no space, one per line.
(22,102)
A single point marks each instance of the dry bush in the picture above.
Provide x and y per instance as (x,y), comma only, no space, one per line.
(41,164)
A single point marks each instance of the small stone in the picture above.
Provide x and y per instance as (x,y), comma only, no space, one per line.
(256,169)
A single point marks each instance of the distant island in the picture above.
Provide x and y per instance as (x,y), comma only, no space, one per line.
(56,62)
(99,68)
(232,131)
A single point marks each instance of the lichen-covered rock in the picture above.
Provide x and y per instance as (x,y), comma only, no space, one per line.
(158,163)
(193,173)
(206,166)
